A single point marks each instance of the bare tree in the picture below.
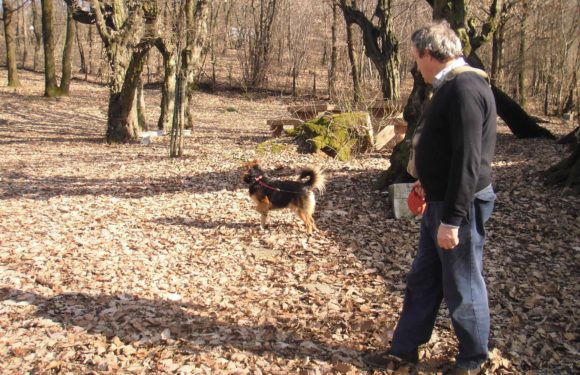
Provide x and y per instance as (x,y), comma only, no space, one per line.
(380,42)
(128,31)
(8,10)
(522,83)
(257,37)
(37,29)
(298,30)
(23,31)
(51,88)
(334,52)
(193,19)
(354,68)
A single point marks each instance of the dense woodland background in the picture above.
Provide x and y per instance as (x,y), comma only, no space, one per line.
(533,56)
(351,53)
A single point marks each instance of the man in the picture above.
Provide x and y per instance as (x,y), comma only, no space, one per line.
(452,157)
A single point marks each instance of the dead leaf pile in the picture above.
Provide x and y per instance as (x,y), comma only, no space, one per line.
(118,259)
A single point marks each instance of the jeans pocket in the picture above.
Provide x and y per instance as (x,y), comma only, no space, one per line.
(484,208)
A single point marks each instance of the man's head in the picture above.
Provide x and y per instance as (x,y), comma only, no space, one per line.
(434,45)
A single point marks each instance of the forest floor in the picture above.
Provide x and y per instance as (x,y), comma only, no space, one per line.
(119,259)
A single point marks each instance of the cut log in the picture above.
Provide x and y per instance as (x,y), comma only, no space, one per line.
(277,125)
(310,111)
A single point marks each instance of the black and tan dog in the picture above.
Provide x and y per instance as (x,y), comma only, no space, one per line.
(270,194)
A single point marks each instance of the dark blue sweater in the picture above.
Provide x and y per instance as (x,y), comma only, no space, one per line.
(454,153)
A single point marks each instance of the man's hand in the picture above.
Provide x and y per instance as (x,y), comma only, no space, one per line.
(447,237)
(418,188)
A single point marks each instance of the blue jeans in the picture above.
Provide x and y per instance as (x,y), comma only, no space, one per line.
(455,275)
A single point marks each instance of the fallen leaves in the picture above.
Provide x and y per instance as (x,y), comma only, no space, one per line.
(119,259)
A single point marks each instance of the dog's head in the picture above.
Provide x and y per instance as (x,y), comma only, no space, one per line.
(252,171)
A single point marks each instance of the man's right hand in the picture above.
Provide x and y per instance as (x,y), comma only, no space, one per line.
(418,188)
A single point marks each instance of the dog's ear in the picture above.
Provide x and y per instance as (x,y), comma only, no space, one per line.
(251,164)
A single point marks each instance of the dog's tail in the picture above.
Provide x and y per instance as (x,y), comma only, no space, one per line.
(316,180)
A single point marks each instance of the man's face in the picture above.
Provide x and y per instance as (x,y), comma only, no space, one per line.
(424,64)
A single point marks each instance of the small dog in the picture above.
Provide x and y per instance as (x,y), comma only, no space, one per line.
(269,194)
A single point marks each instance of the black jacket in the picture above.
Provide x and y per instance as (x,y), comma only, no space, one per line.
(454,152)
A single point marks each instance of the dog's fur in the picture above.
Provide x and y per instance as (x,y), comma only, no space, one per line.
(270,194)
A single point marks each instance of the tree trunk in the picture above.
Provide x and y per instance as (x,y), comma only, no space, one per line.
(353,65)
(522,83)
(380,43)
(520,123)
(140,101)
(84,69)
(24,22)
(91,44)
(567,172)
(397,172)
(294,81)
(497,55)
(333,53)
(259,41)
(198,13)
(168,90)
(37,24)
(176,142)
(123,116)
(8,11)
(67,55)
(50,86)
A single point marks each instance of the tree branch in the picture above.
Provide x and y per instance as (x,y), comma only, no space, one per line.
(488,28)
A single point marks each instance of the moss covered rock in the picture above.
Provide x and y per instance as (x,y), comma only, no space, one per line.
(341,135)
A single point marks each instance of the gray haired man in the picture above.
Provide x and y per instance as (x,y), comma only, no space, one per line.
(452,157)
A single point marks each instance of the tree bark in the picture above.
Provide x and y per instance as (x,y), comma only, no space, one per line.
(51,88)
(121,30)
(259,42)
(24,22)
(82,55)
(168,90)
(8,9)
(520,123)
(67,55)
(567,172)
(522,83)
(497,56)
(198,13)
(357,94)
(397,172)
(333,53)
(380,43)
(37,24)
(123,116)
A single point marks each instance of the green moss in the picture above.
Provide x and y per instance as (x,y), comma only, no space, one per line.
(341,135)
(270,147)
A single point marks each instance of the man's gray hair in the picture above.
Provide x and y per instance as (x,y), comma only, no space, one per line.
(439,39)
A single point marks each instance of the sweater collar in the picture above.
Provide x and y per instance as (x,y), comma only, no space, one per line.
(440,77)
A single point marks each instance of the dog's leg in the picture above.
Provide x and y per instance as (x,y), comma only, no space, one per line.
(306,213)
(305,218)
(263,220)
(313,224)
(262,208)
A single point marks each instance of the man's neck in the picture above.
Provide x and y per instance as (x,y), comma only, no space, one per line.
(446,68)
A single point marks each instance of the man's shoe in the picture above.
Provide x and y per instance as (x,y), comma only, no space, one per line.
(382,359)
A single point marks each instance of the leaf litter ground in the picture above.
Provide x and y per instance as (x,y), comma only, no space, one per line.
(118,259)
